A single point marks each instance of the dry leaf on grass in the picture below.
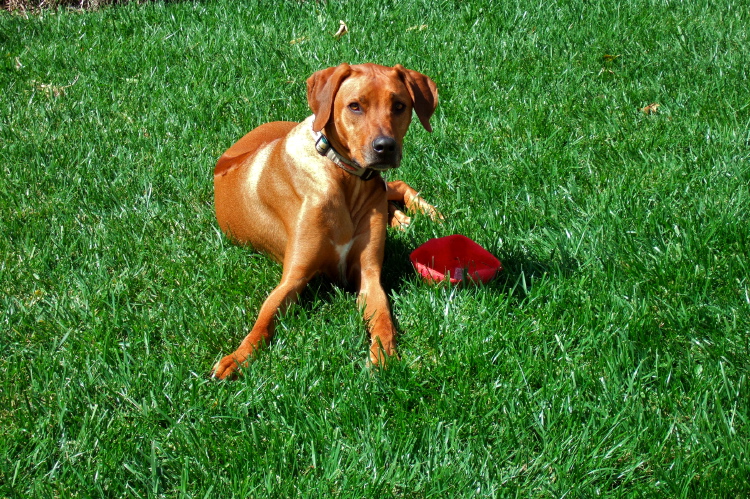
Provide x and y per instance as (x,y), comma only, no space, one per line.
(343,29)
(53,90)
(652,108)
(609,57)
(420,27)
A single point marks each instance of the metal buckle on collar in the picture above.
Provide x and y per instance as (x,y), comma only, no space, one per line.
(322,145)
(324,149)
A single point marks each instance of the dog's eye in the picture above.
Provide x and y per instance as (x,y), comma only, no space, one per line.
(399,106)
(354,106)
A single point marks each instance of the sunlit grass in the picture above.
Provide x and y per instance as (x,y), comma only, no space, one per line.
(609,358)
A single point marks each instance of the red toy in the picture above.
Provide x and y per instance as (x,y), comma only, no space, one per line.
(457,257)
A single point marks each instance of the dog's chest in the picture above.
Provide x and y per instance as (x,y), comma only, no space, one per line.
(342,252)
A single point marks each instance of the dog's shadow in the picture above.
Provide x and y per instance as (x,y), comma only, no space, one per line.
(396,264)
(519,273)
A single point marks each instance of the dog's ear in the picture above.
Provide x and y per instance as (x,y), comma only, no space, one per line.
(321,91)
(423,93)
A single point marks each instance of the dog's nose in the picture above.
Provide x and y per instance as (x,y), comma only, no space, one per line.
(384,146)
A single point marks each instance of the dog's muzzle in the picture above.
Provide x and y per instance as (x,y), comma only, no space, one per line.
(324,148)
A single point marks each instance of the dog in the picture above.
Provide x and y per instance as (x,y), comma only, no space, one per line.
(310,194)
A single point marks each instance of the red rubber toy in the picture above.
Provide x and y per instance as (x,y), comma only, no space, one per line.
(456,258)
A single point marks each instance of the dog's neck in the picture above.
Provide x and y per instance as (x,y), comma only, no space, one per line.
(324,148)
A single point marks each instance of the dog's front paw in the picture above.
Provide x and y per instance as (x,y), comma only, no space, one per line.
(397,218)
(382,356)
(418,204)
(227,368)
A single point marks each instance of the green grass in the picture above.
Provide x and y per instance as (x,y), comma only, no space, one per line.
(609,358)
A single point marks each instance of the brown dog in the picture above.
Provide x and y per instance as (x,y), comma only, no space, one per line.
(310,194)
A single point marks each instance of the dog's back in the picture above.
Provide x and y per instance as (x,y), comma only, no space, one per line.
(250,143)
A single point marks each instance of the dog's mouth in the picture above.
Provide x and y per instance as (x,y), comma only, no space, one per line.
(381,167)
(373,164)
(381,164)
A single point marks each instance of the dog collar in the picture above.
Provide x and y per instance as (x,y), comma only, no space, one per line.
(325,148)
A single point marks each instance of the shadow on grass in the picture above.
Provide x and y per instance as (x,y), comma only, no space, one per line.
(396,264)
(520,269)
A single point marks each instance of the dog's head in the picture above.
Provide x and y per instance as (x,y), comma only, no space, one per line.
(366,109)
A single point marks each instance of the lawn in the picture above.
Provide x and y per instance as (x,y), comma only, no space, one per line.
(600,149)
